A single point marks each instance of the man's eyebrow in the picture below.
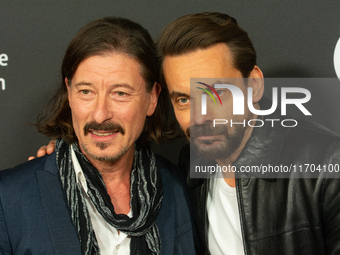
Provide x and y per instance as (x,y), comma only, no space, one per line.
(176,94)
(218,82)
(124,85)
(225,81)
(82,83)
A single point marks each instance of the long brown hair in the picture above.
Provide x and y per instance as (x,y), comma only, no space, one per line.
(99,37)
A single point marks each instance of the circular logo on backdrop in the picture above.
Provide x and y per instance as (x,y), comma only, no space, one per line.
(337,58)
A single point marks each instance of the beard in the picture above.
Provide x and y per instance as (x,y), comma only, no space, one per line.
(105,158)
(223,148)
(105,126)
(187,134)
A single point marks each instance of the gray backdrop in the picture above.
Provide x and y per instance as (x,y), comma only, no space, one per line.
(292,38)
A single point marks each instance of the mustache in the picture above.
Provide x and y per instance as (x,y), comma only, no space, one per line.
(105,126)
(206,129)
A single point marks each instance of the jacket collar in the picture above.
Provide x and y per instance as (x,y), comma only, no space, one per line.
(51,164)
(264,146)
(56,211)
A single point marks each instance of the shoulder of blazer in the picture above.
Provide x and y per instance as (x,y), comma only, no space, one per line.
(11,179)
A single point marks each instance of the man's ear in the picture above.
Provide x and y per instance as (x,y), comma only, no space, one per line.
(257,83)
(154,94)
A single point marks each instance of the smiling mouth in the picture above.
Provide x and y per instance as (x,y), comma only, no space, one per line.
(103,134)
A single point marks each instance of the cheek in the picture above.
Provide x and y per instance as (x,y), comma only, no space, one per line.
(225,111)
(76,121)
(183,118)
(79,116)
(131,117)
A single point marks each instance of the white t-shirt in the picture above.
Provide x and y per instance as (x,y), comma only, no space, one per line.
(110,241)
(224,233)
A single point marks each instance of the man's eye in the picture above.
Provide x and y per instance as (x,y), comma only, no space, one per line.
(219,92)
(85,91)
(120,93)
(183,100)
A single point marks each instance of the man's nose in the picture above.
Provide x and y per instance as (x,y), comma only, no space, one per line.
(102,111)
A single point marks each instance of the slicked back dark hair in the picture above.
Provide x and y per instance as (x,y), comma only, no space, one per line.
(101,37)
(203,30)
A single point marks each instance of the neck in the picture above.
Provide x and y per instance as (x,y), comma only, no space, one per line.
(116,176)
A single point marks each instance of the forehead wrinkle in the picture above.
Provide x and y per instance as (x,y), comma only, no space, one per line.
(106,71)
(118,85)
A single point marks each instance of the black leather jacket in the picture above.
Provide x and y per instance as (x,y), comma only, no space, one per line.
(281,215)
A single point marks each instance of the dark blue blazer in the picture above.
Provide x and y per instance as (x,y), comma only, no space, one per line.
(35,218)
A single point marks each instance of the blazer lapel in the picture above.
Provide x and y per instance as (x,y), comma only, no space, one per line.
(57,215)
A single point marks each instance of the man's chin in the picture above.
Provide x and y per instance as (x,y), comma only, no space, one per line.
(104,157)
(212,150)
(102,152)
(102,145)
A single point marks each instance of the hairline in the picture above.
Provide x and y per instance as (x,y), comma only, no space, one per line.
(187,51)
(115,51)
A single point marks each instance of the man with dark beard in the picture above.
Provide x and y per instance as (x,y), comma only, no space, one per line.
(246,213)
(103,191)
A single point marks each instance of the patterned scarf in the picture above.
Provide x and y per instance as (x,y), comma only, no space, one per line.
(146,199)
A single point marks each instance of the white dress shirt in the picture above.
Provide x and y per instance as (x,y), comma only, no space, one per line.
(110,241)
